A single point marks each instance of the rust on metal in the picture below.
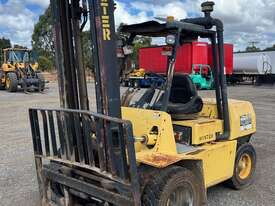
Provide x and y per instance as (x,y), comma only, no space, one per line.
(160,160)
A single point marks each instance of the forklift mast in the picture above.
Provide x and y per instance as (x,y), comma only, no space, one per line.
(71,71)
(87,154)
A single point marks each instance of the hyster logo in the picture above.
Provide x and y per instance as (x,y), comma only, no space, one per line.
(105,18)
(206,137)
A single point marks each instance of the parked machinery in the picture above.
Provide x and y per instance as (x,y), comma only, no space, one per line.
(202,76)
(257,66)
(20,68)
(165,149)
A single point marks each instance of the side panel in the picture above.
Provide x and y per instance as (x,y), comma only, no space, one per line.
(218,162)
(241,113)
(143,122)
(203,129)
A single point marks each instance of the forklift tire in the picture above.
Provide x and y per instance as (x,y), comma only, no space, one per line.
(11,82)
(173,186)
(244,169)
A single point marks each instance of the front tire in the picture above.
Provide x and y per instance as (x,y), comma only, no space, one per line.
(41,82)
(173,186)
(11,82)
(244,169)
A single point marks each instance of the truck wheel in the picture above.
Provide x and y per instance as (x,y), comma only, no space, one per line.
(41,81)
(173,186)
(11,82)
(244,169)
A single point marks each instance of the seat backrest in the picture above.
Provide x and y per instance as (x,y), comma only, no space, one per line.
(182,89)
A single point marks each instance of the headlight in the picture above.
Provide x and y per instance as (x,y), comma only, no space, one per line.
(170,40)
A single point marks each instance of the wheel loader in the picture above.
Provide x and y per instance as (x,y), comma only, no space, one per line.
(20,69)
(166,147)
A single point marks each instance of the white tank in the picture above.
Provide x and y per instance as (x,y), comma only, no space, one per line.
(254,63)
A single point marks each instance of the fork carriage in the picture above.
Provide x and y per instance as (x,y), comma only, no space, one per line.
(71,149)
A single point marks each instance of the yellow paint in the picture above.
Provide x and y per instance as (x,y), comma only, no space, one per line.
(144,121)
(138,73)
(217,157)
(244,166)
(12,67)
(203,129)
(237,109)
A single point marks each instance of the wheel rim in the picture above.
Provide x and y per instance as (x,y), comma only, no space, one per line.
(8,82)
(181,196)
(244,166)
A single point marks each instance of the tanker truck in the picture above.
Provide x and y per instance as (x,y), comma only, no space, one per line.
(259,67)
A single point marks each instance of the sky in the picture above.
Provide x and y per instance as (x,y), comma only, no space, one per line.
(245,20)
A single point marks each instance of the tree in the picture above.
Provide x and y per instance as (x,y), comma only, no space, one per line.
(252,49)
(4,43)
(270,48)
(44,63)
(43,45)
(87,49)
(42,37)
(139,42)
(17,46)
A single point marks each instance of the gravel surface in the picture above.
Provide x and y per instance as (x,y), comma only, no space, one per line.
(18,185)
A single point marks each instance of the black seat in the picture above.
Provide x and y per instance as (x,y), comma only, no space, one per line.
(184,102)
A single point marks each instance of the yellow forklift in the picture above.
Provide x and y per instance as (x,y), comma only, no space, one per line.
(20,69)
(164,149)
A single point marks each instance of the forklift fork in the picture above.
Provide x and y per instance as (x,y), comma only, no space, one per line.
(70,152)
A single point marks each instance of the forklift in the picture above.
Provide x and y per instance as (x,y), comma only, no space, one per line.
(202,76)
(166,148)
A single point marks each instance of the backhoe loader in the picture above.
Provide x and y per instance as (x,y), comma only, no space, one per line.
(166,148)
(20,69)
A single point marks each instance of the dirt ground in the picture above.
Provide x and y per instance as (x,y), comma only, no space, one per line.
(18,186)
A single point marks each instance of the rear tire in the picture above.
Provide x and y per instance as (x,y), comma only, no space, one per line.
(173,186)
(244,169)
(11,82)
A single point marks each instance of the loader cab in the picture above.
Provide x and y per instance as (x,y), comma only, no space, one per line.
(12,55)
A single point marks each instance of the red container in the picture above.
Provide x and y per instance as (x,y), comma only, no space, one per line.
(228,57)
(151,59)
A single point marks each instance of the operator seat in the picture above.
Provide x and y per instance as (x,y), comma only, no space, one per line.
(184,102)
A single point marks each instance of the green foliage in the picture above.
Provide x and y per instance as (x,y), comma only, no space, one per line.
(17,46)
(139,42)
(252,49)
(43,45)
(45,64)
(270,48)
(4,43)
(87,49)
(42,37)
